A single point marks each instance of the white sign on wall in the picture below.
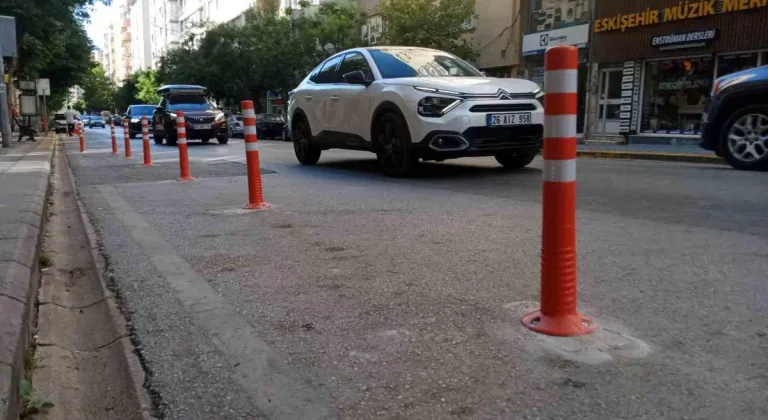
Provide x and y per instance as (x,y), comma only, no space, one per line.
(539,42)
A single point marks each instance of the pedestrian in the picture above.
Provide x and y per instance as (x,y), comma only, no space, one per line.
(70,116)
(15,118)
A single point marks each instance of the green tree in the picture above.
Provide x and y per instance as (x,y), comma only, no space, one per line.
(439,24)
(52,42)
(146,86)
(98,92)
(126,94)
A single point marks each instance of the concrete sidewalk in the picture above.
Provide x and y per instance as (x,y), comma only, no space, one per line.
(24,177)
(659,152)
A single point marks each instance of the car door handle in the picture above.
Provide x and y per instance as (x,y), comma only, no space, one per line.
(308,97)
(334,98)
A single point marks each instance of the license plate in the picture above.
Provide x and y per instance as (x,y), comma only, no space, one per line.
(518,118)
(202,126)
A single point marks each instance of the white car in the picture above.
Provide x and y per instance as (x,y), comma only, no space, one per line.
(235,125)
(408,103)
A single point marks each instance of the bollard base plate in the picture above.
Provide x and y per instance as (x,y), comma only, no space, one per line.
(147,165)
(257,206)
(560,326)
(186,178)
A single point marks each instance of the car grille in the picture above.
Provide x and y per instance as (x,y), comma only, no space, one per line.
(503,108)
(200,120)
(488,138)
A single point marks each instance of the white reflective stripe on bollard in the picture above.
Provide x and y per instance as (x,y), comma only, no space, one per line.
(559,170)
(249,130)
(181,130)
(561,81)
(251,147)
(249,113)
(181,141)
(560,126)
(180,120)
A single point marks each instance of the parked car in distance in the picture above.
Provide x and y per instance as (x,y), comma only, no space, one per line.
(735,120)
(86,119)
(203,120)
(409,103)
(235,125)
(134,114)
(60,123)
(269,126)
(96,121)
(106,116)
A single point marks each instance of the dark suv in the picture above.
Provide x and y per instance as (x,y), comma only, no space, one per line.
(735,122)
(134,114)
(203,120)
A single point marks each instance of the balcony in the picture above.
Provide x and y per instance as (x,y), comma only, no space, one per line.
(125,37)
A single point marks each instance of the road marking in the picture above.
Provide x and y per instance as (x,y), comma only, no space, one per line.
(279,391)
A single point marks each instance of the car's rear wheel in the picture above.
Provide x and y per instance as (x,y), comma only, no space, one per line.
(222,139)
(393,146)
(744,139)
(171,139)
(511,160)
(205,140)
(158,136)
(306,153)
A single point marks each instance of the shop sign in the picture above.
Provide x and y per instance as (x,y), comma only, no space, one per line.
(537,43)
(692,39)
(680,11)
(630,92)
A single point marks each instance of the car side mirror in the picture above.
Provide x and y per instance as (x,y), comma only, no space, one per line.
(356,77)
(159,109)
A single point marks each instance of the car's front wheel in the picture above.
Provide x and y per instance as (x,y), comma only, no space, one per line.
(171,139)
(393,146)
(222,139)
(514,160)
(744,139)
(306,153)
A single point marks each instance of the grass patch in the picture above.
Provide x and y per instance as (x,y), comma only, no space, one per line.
(31,401)
(45,260)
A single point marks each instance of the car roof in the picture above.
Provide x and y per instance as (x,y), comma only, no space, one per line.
(169,89)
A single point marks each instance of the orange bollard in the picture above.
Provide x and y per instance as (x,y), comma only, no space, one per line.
(255,195)
(112,132)
(127,136)
(181,134)
(145,138)
(558,314)
(80,129)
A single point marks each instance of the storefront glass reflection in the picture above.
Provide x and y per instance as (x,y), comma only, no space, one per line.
(731,63)
(674,95)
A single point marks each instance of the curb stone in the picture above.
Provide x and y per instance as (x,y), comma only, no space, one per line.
(133,364)
(23,215)
(656,156)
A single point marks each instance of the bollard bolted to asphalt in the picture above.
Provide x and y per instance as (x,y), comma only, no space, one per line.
(127,137)
(181,134)
(145,138)
(558,314)
(255,194)
(80,129)
(112,132)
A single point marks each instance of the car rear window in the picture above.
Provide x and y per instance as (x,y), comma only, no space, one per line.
(188,102)
(142,110)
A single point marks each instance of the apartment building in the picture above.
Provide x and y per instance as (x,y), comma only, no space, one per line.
(141,46)
(109,52)
(496,33)
(165,32)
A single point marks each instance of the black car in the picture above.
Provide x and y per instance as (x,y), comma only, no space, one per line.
(269,126)
(134,114)
(735,121)
(203,120)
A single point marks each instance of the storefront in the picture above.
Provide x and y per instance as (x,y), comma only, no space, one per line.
(551,23)
(653,68)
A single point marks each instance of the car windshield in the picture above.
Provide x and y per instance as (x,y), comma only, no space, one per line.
(418,62)
(189,103)
(272,117)
(59,117)
(96,117)
(142,110)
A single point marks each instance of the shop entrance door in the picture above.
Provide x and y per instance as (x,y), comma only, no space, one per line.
(609,102)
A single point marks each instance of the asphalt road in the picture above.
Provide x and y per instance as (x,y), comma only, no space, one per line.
(364,297)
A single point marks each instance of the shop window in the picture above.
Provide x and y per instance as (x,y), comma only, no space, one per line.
(674,94)
(764,58)
(731,63)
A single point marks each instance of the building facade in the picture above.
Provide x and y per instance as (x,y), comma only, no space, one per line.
(547,23)
(141,46)
(164,29)
(654,63)
(109,52)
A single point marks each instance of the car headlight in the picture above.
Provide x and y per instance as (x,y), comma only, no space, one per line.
(220,117)
(173,115)
(540,97)
(435,106)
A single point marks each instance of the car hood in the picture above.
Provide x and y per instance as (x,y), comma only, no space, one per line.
(750,75)
(469,85)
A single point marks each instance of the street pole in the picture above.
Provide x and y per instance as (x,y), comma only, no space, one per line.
(5,117)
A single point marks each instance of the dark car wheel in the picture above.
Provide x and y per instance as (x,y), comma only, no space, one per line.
(171,139)
(222,139)
(511,160)
(158,138)
(393,146)
(744,139)
(204,140)
(306,153)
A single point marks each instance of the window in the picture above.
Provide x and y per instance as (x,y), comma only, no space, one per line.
(373,30)
(674,95)
(731,63)
(355,61)
(329,73)
(190,102)
(419,62)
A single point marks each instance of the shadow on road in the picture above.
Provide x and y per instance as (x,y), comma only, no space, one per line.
(432,170)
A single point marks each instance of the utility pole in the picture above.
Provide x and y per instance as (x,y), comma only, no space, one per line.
(5,117)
